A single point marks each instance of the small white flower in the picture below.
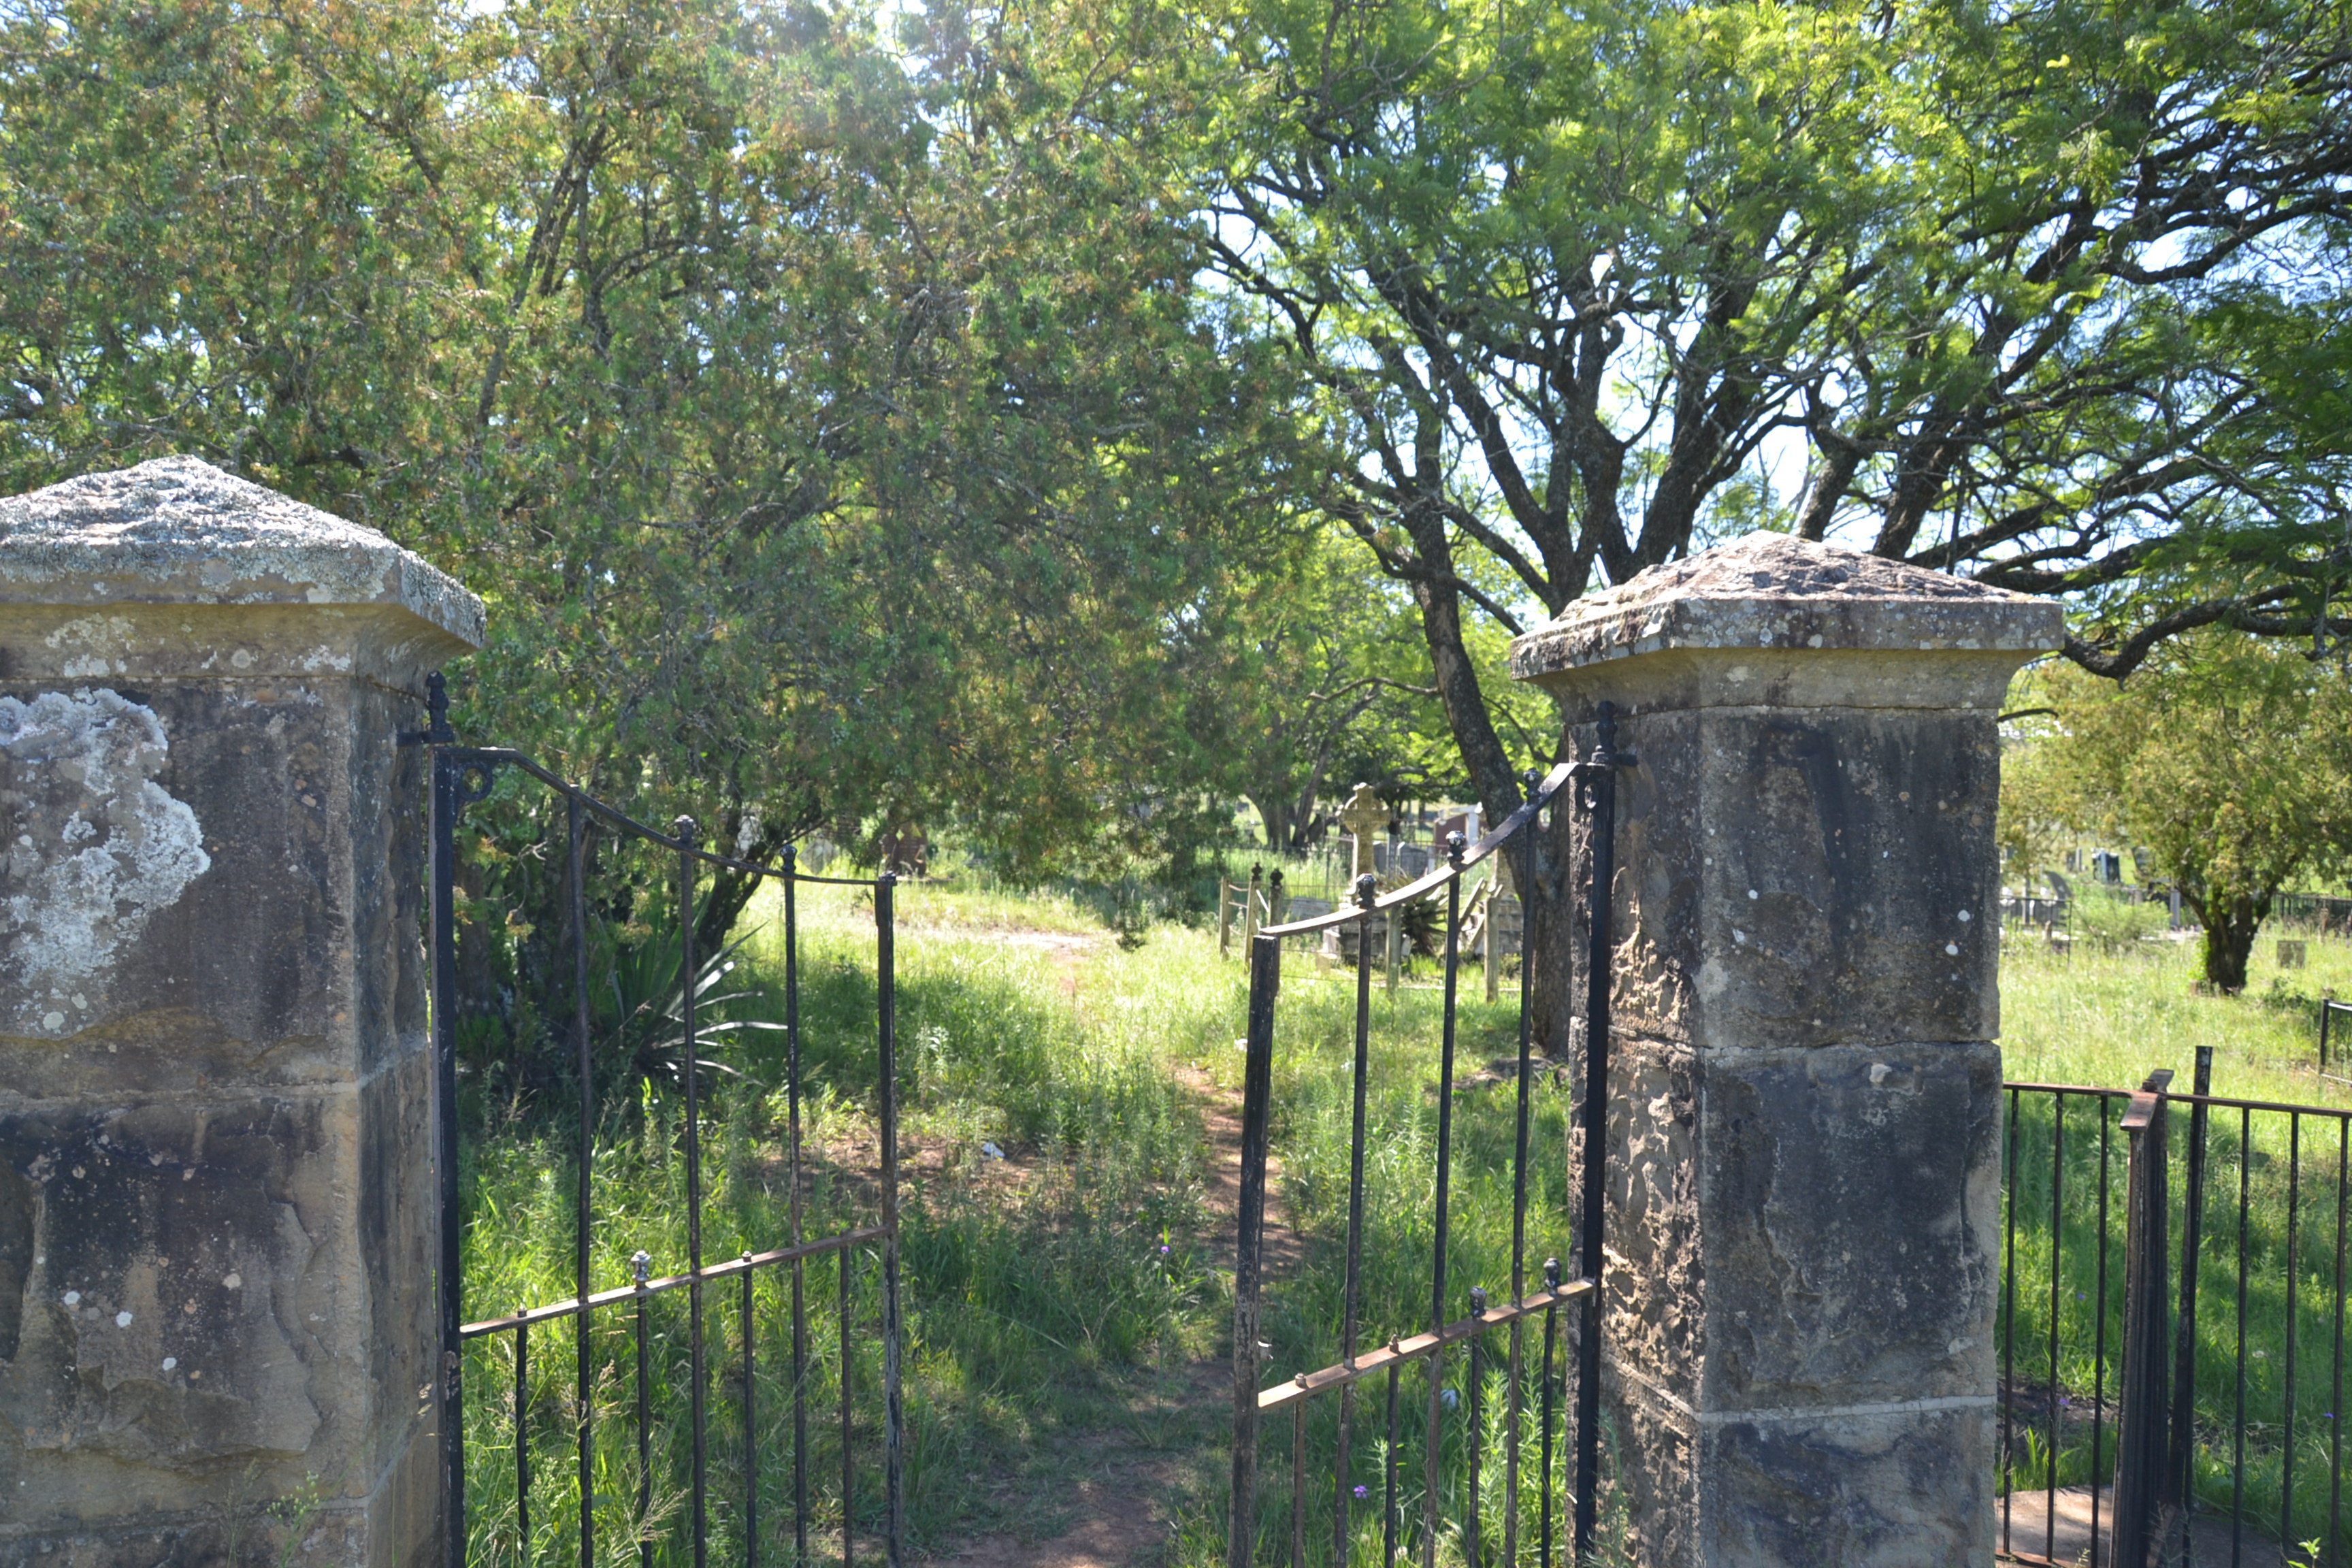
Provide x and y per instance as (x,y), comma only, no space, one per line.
(73,1298)
(169,1362)
(121,1320)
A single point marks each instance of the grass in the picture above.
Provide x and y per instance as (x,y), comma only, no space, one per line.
(1045,1290)
(1068,1300)
(2108,1019)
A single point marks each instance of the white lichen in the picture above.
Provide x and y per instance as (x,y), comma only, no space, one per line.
(99,846)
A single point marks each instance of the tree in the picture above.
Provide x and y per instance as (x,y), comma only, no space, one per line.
(2229,759)
(2021,285)
(836,443)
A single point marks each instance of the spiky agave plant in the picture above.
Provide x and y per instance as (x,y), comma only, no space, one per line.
(645,1024)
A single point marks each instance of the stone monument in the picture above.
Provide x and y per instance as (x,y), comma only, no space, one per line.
(1805,1114)
(1364,816)
(217,1220)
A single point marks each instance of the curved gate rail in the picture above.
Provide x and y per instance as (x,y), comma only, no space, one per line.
(1595,798)
(462,775)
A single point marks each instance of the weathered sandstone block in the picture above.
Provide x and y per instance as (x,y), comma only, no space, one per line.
(217,1217)
(1805,1112)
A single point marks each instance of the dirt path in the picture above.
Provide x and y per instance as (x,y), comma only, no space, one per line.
(1121,1504)
(2054,1528)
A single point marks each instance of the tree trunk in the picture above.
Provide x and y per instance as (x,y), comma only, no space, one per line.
(1274,813)
(2230,921)
(730,892)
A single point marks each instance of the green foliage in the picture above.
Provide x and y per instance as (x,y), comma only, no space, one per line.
(2051,292)
(835,441)
(2229,759)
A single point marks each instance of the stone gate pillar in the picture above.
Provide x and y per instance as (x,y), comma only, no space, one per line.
(1805,1114)
(216,1209)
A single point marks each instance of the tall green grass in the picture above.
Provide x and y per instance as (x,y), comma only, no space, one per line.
(1058,1294)
(1027,1294)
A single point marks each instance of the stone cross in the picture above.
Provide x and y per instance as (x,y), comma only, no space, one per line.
(218,1203)
(1804,1116)
(1364,816)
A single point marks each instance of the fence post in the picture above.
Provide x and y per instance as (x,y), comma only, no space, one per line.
(213,1020)
(2184,1352)
(1804,1122)
(1249,909)
(1257,1094)
(2142,1458)
(1224,914)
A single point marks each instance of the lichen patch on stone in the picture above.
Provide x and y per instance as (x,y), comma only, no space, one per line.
(95,848)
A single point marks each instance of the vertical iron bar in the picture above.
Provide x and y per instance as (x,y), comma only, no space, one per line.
(447,773)
(793,1158)
(1367,890)
(2140,1442)
(2057,1184)
(1543,1487)
(1474,1545)
(1299,1485)
(1257,1093)
(2323,1011)
(522,1439)
(1434,1439)
(582,1418)
(2293,1265)
(1519,1226)
(1387,1479)
(848,1454)
(2184,1343)
(688,839)
(2336,1396)
(640,1265)
(894,1414)
(2238,1459)
(2099,1333)
(2009,1333)
(1598,795)
(751,1432)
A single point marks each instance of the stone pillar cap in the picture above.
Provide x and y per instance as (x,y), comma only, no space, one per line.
(177,531)
(1777,598)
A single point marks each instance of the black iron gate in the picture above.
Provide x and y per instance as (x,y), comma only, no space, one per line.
(653,1469)
(1594,797)
(2172,1326)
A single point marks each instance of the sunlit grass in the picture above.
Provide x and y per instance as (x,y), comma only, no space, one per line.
(1043,1311)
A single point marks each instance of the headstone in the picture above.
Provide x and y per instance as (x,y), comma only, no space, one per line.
(2292,951)
(1805,1108)
(2106,865)
(1466,822)
(816,854)
(218,1212)
(1363,816)
(2144,862)
(1412,860)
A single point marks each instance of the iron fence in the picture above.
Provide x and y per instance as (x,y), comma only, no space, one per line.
(627,1334)
(1572,1489)
(2172,1348)
(2330,1009)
